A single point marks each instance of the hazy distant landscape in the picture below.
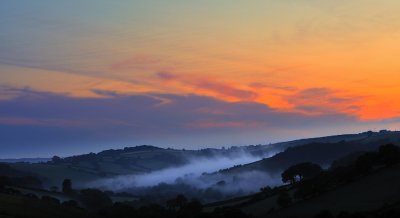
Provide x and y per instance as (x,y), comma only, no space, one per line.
(249,178)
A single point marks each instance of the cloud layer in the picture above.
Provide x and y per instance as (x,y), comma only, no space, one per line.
(42,120)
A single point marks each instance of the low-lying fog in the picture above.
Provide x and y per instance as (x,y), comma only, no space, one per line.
(200,176)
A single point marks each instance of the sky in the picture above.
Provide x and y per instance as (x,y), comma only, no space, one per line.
(79,76)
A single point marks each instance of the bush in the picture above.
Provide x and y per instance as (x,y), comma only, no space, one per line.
(95,199)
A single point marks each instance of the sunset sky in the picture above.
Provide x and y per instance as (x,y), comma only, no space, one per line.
(79,76)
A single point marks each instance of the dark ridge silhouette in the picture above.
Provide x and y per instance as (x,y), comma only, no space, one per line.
(322,154)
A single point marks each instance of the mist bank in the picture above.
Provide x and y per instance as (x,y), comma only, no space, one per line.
(200,178)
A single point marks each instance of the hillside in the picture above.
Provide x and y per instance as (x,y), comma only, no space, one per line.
(128,161)
(319,151)
(360,181)
(89,167)
(144,159)
(369,193)
(369,185)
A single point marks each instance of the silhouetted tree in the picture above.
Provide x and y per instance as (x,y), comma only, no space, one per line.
(67,186)
(95,199)
(56,159)
(177,203)
(300,171)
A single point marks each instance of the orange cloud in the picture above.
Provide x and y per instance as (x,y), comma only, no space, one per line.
(224,89)
(323,101)
(208,86)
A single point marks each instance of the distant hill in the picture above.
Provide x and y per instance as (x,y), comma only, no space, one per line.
(322,151)
(130,160)
(143,159)
(26,160)
(333,139)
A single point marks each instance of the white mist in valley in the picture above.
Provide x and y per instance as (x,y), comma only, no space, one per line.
(200,173)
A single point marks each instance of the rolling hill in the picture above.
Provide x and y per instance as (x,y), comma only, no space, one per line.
(143,159)
(368,186)
(322,151)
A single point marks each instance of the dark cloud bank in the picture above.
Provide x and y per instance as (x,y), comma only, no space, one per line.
(41,121)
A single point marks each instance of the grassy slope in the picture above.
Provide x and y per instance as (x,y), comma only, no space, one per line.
(55,174)
(84,171)
(111,163)
(320,151)
(368,193)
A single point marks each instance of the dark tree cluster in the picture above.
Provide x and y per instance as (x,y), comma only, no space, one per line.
(95,203)
(67,186)
(309,180)
(178,207)
(300,172)
(56,160)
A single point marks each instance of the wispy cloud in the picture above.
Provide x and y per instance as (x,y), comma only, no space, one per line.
(164,75)
(64,68)
(323,101)
(42,118)
(210,85)
(259,85)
